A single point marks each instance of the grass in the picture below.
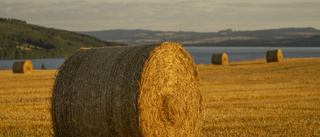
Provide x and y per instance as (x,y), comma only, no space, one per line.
(248,98)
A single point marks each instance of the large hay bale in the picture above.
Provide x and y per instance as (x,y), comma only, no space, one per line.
(150,90)
(274,55)
(221,59)
(22,66)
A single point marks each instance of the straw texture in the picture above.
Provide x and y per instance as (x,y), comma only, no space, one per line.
(150,90)
(22,66)
(274,56)
(221,59)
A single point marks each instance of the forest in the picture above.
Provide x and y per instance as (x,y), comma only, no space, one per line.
(20,40)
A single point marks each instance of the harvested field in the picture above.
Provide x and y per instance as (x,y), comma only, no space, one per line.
(248,98)
(255,98)
(24,103)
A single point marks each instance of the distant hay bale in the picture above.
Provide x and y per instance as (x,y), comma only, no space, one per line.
(22,66)
(149,90)
(221,59)
(274,55)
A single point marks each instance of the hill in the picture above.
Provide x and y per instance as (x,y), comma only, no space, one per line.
(272,37)
(19,40)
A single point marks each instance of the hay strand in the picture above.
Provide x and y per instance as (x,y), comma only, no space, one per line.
(150,90)
(274,55)
(22,66)
(220,59)
(84,48)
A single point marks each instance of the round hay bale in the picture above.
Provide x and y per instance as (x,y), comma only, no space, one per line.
(22,66)
(221,59)
(149,90)
(274,55)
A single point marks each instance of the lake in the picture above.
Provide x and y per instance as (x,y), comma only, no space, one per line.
(201,55)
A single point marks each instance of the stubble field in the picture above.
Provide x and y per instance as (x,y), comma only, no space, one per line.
(248,98)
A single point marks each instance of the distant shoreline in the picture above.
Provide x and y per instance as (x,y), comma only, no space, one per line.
(231,62)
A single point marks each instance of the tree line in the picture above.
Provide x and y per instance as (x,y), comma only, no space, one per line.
(20,40)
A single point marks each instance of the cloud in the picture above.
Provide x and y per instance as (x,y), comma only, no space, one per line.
(192,15)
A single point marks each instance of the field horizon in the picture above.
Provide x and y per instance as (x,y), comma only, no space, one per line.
(243,98)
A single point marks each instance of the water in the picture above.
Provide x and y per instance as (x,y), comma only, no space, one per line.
(201,55)
(50,63)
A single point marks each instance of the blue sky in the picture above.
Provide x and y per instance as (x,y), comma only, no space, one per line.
(165,15)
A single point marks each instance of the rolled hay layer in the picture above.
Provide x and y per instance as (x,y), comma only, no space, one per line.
(22,66)
(150,90)
(274,55)
(221,59)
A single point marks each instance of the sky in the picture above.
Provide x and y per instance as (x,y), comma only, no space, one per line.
(165,15)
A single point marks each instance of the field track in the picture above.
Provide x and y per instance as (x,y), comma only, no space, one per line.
(247,98)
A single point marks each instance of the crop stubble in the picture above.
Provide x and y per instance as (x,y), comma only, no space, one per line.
(247,98)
